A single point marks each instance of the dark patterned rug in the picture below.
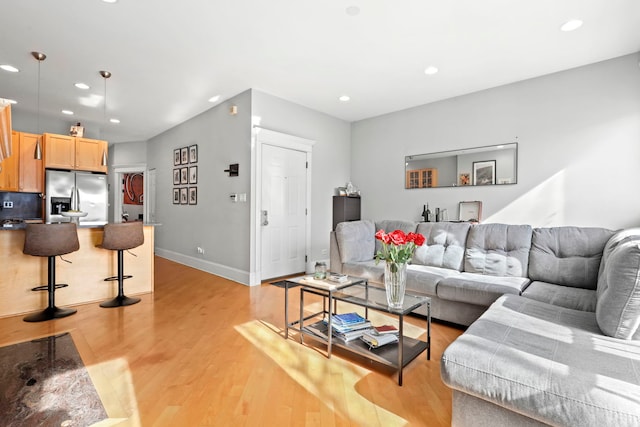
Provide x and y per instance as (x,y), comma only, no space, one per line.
(44,383)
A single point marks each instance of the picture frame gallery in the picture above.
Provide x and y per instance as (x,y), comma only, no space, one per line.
(185,175)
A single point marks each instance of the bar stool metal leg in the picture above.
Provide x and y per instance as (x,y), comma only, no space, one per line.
(121,299)
(51,312)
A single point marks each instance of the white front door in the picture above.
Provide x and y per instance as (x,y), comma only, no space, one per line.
(283,215)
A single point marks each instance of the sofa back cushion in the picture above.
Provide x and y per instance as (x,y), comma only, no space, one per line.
(390,225)
(356,240)
(618,304)
(568,256)
(498,250)
(444,244)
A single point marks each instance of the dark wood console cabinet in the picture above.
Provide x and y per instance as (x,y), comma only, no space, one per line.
(345,208)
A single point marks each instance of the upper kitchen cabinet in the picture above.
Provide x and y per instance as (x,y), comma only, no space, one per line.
(90,153)
(31,170)
(69,152)
(9,166)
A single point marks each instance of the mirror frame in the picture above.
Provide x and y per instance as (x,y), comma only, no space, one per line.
(482,168)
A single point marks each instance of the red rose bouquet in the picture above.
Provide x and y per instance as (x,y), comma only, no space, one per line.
(398,247)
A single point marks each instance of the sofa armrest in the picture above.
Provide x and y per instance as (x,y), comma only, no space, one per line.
(335,265)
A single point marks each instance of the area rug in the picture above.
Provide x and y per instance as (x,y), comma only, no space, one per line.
(44,383)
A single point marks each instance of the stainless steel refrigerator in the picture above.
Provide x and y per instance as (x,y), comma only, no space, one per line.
(91,195)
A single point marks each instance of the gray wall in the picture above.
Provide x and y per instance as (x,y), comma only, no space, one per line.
(330,157)
(578,154)
(215,224)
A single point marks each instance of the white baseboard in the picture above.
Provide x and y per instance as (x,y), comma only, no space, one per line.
(230,273)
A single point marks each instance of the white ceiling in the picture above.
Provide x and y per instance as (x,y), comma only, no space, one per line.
(169,57)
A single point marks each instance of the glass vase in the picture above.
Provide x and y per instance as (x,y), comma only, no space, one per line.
(395,282)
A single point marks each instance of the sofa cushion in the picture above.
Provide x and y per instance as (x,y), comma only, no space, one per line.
(618,307)
(568,256)
(620,236)
(425,279)
(547,362)
(366,270)
(498,250)
(444,244)
(479,289)
(389,225)
(563,296)
(356,240)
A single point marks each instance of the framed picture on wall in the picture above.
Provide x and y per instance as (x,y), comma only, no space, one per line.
(183,196)
(176,196)
(176,176)
(465,179)
(193,154)
(484,173)
(176,157)
(184,175)
(193,195)
(193,175)
(184,155)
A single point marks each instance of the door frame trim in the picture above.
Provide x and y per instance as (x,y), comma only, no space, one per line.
(261,136)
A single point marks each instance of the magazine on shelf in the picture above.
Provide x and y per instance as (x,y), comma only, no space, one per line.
(319,328)
(375,341)
(354,327)
(347,319)
(385,329)
(351,335)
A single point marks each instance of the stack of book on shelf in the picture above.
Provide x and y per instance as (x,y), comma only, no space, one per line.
(380,335)
(349,326)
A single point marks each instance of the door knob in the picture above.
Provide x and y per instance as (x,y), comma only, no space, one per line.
(265,218)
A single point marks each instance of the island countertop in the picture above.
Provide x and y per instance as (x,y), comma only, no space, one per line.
(85,275)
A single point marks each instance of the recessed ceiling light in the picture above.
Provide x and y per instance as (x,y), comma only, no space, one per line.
(571,25)
(214,99)
(344,98)
(110,1)
(431,70)
(353,10)
(9,68)
(81,86)
(67,112)
(114,121)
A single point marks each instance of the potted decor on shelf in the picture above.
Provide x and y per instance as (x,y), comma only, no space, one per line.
(398,248)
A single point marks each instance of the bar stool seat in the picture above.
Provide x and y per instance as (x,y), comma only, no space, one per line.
(50,240)
(120,237)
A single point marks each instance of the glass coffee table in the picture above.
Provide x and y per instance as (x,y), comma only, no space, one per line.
(358,292)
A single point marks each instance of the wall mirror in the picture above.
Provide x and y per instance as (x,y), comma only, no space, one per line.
(490,165)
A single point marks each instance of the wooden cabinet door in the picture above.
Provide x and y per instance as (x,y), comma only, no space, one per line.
(9,166)
(31,170)
(59,151)
(89,154)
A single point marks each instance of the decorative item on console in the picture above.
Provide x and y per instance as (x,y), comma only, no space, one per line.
(77,130)
(397,250)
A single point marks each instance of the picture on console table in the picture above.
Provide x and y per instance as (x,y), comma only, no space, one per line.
(484,173)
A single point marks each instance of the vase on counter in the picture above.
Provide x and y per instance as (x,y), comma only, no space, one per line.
(395,282)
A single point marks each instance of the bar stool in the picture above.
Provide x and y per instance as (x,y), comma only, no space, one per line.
(50,240)
(120,237)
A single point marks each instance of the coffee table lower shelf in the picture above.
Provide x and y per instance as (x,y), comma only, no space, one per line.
(386,355)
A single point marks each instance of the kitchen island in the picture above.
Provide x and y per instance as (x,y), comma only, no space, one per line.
(85,275)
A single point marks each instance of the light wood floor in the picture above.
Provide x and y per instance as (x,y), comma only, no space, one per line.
(205,351)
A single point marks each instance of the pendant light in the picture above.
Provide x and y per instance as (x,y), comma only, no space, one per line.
(37,154)
(105,75)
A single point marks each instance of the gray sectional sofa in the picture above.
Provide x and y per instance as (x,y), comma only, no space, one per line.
(554,315)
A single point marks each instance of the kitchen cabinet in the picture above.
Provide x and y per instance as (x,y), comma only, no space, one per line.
(70,152)
(9,166)
(422,178)
(30,169)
